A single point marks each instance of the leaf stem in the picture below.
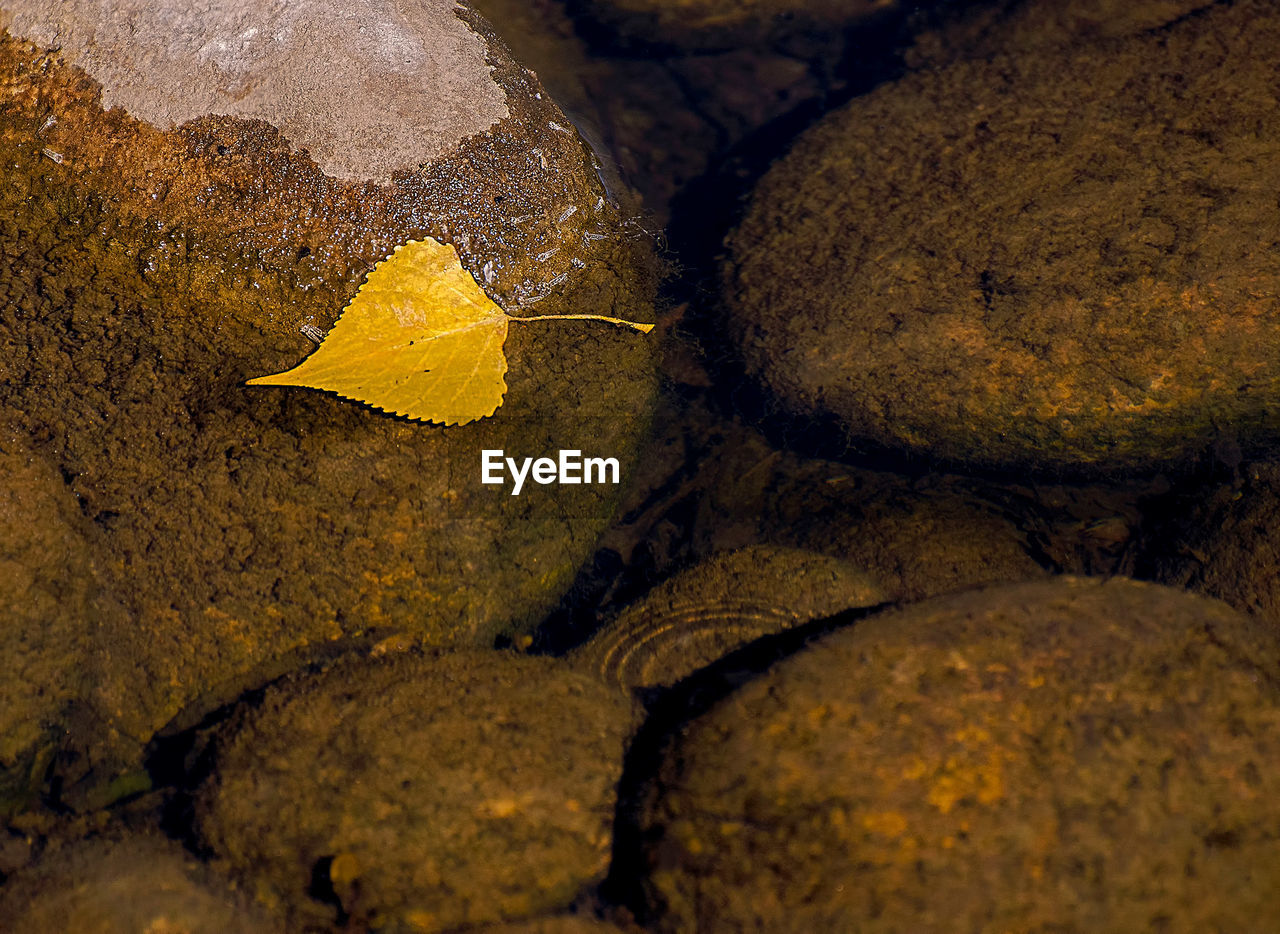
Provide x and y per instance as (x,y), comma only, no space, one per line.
(642,328)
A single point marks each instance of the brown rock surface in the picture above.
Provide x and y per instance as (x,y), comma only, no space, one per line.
(343,83)
(128,885)
(1076,754)
(718,605)
(1001,26)
(147,270)
(46,587)
(429,791)
(1031,259)
(914,537)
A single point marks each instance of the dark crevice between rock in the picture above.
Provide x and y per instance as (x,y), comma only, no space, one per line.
(182,761)
(710,207)
(607,581)
(322,890)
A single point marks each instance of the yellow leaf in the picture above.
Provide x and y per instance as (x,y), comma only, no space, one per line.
(420,339)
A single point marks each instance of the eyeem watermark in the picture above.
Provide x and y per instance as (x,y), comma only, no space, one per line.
(569,468)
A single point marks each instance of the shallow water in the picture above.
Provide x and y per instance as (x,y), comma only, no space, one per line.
(682,138)
(689,133)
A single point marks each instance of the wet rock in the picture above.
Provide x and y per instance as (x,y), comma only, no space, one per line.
(721,23)
(323,76)
(1079,754)
(1005,26)
(179,201)
(666,117)
(719,605)
(126,885)
(424,792)
(914,537)
(1030,260)
(46,586)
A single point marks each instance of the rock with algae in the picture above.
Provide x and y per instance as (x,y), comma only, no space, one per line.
(184,193)
(126,884)
(1031,259)
(46,615)
(427,791)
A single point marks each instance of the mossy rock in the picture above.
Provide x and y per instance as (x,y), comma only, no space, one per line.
(1075,754)
(1003,26)
(47,588)
(126,884)
(183,194)
(424,791)
(1030,260)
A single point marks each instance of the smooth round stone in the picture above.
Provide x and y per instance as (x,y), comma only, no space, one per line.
(704,24)
(183,193)
(970,263)
(426,792)
(127,885)
(46,585)
(720,604)
(1076,754)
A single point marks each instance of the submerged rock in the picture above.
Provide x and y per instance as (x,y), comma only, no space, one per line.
(1074,754)
(183,194)
(424,792)
(914,537)
(1031,260)
(718,605)
(1003,26)
(126,885)
(706,24)
(46,615)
